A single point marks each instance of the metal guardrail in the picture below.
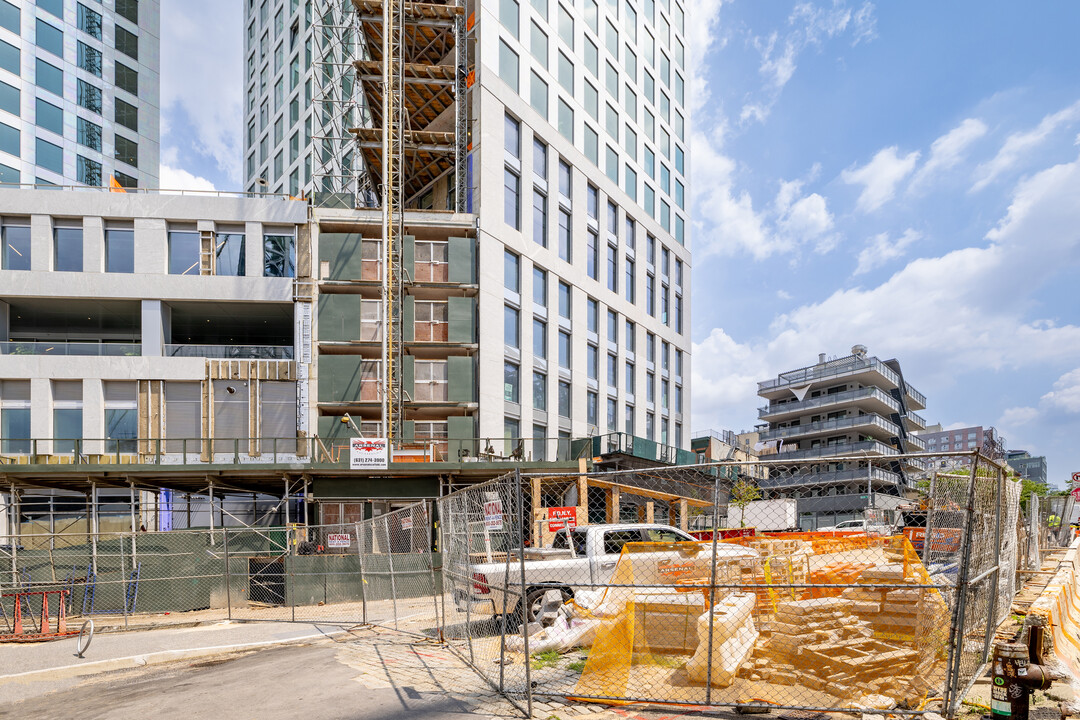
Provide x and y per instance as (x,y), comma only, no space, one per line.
(70,347)
(244,352)
(830,425)
(149,191)
(833,399)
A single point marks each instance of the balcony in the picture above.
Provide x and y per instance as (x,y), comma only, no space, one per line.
(871,395)
(871,475)
(834,368)
(830,426)
(71,348)
(856,449)
(916,421)
(231,352)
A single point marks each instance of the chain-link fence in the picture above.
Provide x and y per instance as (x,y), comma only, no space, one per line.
(379,570)
(483,531)
(850,583)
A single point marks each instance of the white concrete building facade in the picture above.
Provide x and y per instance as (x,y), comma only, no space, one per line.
(80,92)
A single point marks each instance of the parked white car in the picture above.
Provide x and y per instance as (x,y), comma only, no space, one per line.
(579,558)
(858,526)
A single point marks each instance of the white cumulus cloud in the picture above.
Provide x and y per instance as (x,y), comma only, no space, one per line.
(1020,143)
(948,150)
(880,176)
(1066,393)
(177,179)
(880,250)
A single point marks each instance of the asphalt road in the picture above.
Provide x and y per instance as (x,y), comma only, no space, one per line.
(306,681)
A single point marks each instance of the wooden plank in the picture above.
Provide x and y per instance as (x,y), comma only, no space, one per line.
(653,494)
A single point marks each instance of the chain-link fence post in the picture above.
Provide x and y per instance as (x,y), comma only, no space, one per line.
(228,575)
(390,565)
(287,559)
(991,618)
(363,579)
(712,581)
(928,533)
(519,547)
(956,646)
(123,581)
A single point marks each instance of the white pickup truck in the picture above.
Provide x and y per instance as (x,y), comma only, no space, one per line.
(579,558)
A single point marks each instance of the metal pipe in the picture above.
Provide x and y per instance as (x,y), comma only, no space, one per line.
(991,618)
(13,537)
(363,580)
(94,526)
(712,586)
(228,575)
(134,528)
(521,562)
(929,532)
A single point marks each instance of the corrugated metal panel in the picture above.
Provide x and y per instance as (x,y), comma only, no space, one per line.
(67,390)
(183,416)
(230,413)
(277,416)
(119,391)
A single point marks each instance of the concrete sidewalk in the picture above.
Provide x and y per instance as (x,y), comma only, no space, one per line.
(27,663)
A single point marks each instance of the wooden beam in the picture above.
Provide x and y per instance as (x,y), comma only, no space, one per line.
(683,515)
(653,494)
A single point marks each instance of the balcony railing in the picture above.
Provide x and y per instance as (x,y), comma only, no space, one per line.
(871,447)
(232,352)
(845,423)
(843,366)
(917,396)
(73,347)
(842,397)
(871,475)
(917,420)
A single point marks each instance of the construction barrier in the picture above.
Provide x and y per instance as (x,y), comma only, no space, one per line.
(1059,604)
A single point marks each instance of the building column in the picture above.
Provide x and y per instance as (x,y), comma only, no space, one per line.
(41,243)
(93,416)
(154,335)
(41,425)
(253,249)
(93,244)
(5,321)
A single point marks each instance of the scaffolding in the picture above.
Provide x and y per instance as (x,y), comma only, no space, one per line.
(391,124)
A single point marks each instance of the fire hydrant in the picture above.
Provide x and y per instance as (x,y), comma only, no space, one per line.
(1017,673)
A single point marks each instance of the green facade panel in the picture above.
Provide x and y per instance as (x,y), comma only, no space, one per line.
(461,315)
(408,256)
(339,317)
(408,318)
(462,252)
(460,373)
(342,251)
(408,375)
(461,429)
(339,378)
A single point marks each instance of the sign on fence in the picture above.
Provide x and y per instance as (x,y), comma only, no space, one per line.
(368,454)
(338,540)
(942,540)
(561,517)
(406,522)
(493,512)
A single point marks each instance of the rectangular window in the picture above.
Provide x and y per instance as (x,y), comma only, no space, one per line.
(119,250)
(14,426)
(539,329)
(564,300)
(16,249)
(67,421)
(129,10)
(612,414)
(566,120)
(509,12)
(613,327)
(611,164)
(68,249)
(540,153)
(10,17)
(539,218)
(183,252)
(650,294)
(592,253)
(628,427)
(279,256)
(511,199)
(629,287)
(650,387)
(49,38)
(592,310)
(565,180)
(89,21)
(89,96)
(565,239)
(49,117)
(508,65)
(511,326)
(538,94)
(539,388)
(592,360)
(511,272)
(10,61)
(539,287)
(121,427)
(10,140)
(127,151)
(564,349)
(592,58)
(49,156)
(592,145)
(511,382)
(591,417)
(10,98)
(538,44)
(229,254)
(564,399)
(566,26)
(612,268)
(566,73)
(88,171)
(612,371)
(127,43)
(89,58)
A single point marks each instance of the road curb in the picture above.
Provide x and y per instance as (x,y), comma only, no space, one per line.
(154,658)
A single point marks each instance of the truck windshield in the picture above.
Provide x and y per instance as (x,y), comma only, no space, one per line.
(655,535)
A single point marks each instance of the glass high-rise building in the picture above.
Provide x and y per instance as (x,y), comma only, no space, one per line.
(79,92)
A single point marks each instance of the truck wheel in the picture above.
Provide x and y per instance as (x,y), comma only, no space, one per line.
(534,601)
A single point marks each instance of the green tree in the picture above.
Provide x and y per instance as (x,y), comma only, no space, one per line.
(743,492)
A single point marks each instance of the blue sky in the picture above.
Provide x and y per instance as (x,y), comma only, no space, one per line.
(901,175)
